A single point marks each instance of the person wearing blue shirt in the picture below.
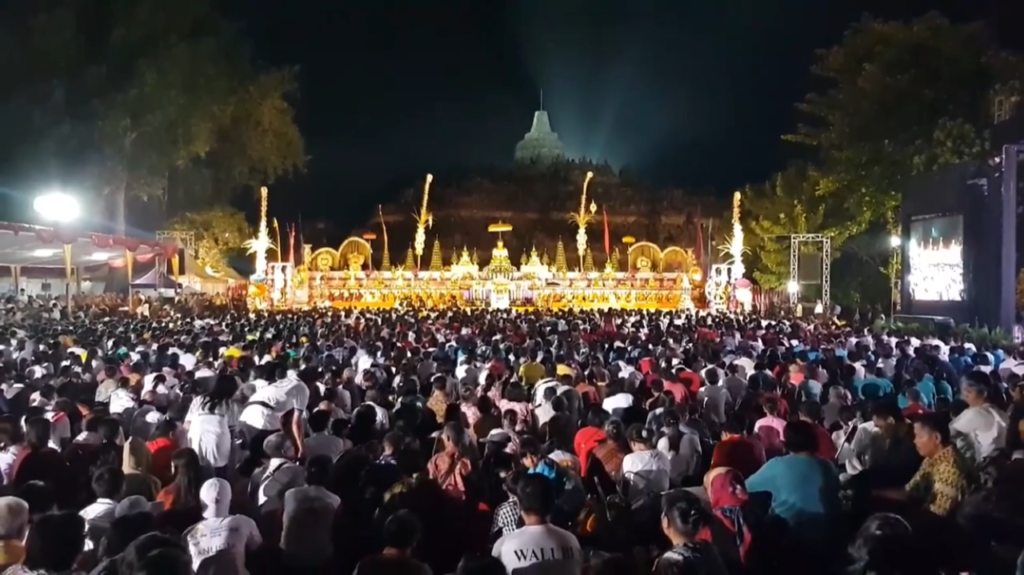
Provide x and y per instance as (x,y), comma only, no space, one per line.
(998,356)
(873,387)
(811,387)
(924,383)
(803,486)
(943,389)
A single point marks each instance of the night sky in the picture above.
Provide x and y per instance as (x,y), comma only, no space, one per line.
(690,93)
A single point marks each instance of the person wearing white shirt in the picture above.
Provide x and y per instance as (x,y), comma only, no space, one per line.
(321,442)
(540,391)
(269,403)
(648,470)
(209,421)
(187,360)
(11,445)
(220,536)
(617,398)
(106,484)
(981,428)
(538,546)
(121,399)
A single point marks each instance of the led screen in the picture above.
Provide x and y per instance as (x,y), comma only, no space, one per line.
(937,259)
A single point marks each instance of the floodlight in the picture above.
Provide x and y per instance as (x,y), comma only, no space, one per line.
(100,256)
(793,287)
(57,207)
(895,241)
(42,253)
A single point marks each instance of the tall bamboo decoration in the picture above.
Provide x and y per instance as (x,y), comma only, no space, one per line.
(736,245)
(277,234)
(424,220)
(261,243)
(385,264)
(582,218)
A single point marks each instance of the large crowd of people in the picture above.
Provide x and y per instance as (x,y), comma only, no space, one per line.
(213,440)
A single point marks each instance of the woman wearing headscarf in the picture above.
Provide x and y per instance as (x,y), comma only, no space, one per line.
(728,528)
(136,464)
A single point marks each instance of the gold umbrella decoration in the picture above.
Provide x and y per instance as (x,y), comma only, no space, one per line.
(424,220)
(582,218)
(500,263)
(261,243)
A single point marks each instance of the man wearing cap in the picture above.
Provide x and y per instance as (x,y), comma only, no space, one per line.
(221,536)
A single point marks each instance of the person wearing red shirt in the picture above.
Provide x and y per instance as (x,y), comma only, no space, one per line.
(810,411)
(914,407)
(737,451)
(677,390)
(689,379)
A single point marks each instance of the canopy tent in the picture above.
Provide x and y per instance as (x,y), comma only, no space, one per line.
(154,279)
(25,245)
(204,279)
(192,278)
(36,258)
(205,274)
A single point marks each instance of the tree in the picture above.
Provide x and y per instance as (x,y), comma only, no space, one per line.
(902,98)
(788,204)
(144,99)
(218,231)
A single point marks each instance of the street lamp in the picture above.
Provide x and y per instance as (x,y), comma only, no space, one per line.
(57,207)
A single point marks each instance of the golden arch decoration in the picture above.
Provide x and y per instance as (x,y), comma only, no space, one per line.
(323,260)
(646,250)
(352,249)
(677,259)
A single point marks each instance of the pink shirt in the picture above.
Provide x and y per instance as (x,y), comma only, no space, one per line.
(523,409)
(769,431)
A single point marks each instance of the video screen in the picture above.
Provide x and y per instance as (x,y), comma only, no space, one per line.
(937,259)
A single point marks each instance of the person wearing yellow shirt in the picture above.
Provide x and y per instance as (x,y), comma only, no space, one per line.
(531,372)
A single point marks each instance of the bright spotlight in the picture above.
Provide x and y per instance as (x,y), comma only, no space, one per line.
(793,287)
(99,256)
(41,253)
(895,241)
(57,207)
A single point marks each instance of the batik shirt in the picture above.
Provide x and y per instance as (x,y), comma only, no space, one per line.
(940,482)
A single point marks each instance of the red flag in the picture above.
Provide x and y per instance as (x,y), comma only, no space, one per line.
(699,249)
(291,244)
(607,237)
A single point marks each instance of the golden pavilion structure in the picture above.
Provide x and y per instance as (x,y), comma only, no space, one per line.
(653,277)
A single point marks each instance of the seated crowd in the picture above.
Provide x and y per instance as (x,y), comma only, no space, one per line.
(480,442)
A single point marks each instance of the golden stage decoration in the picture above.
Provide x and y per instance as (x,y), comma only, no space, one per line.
(355,261)
(582,218)
(345,278)
(385,264)
(261,243)
(424,219)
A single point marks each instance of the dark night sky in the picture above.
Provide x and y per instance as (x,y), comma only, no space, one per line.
(692,93)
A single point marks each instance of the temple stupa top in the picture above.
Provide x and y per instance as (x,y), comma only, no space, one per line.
(541,144)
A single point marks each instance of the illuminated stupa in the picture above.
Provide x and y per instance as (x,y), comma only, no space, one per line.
(541,145)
